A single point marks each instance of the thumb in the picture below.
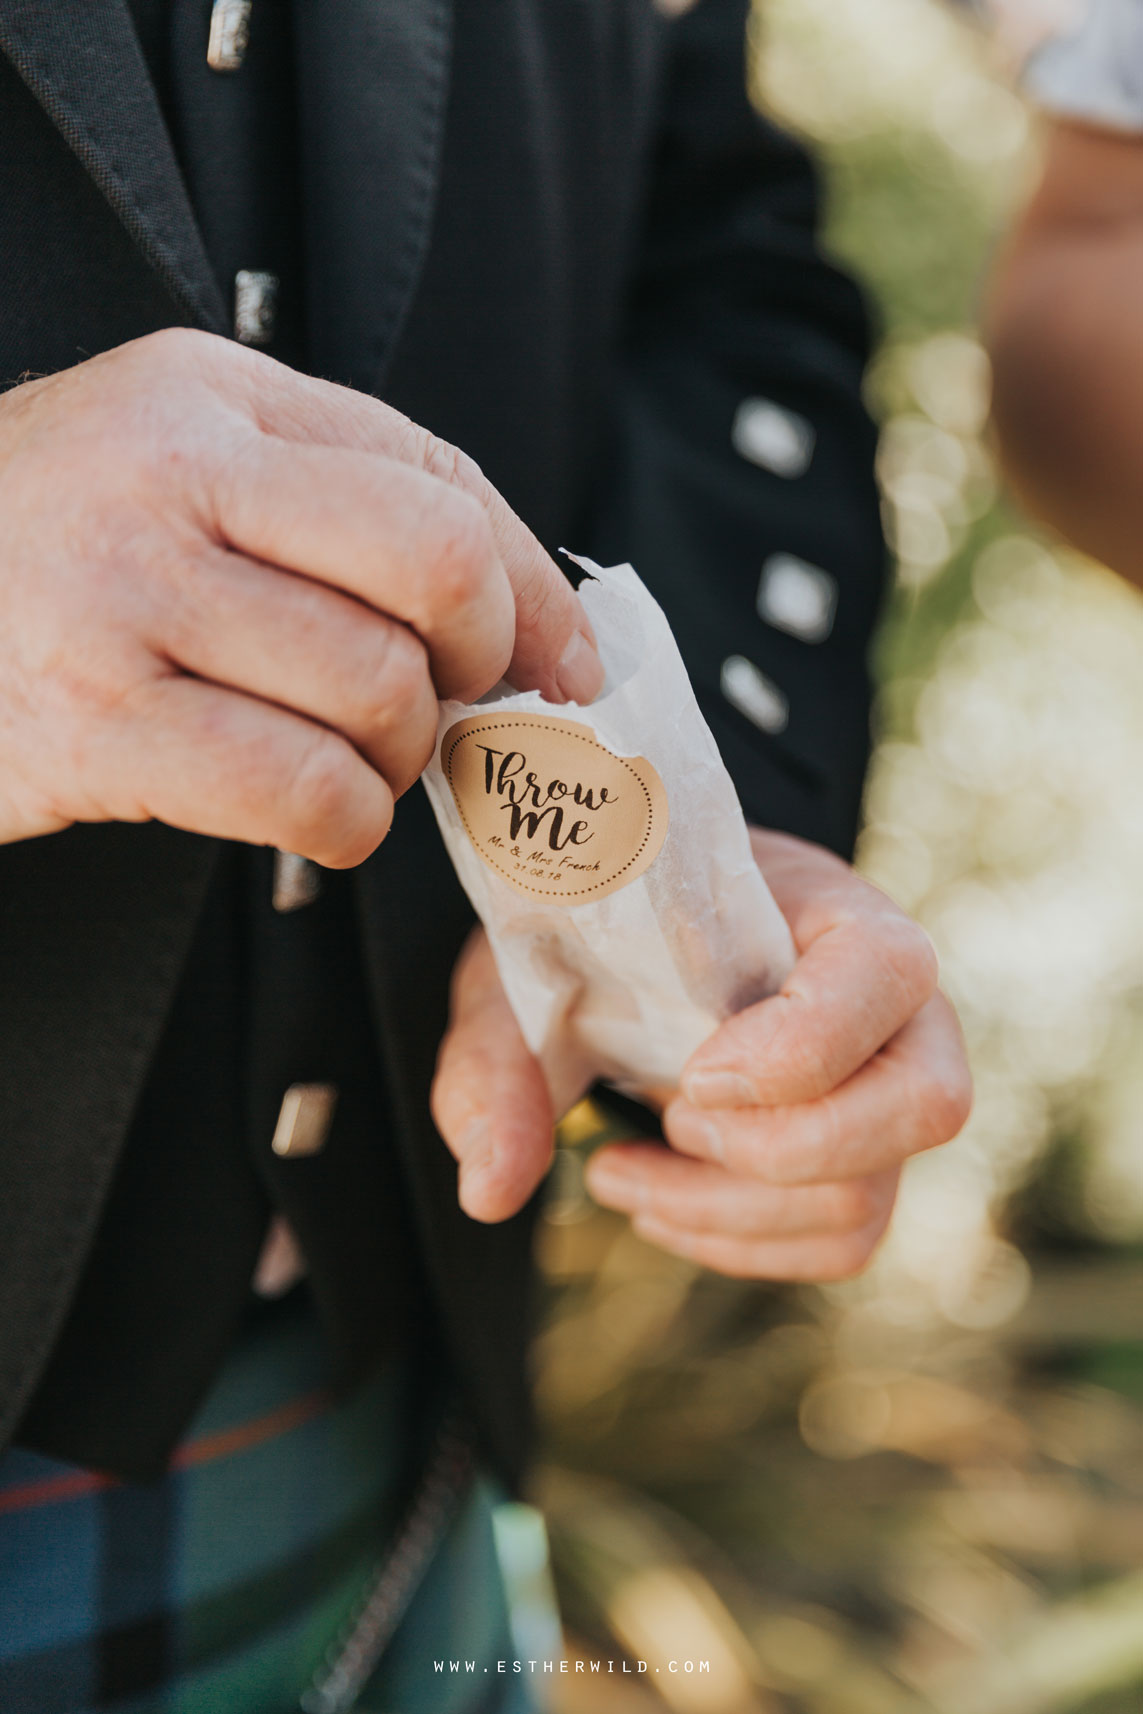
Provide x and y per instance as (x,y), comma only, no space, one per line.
(490,1099)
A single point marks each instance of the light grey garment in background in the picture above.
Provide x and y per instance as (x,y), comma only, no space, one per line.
(1092,71)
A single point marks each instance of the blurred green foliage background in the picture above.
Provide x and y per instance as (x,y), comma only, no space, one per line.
(921,1490)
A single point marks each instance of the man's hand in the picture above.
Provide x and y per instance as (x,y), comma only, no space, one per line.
(230,597)
(793,1121)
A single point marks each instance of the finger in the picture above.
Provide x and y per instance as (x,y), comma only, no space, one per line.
(309,648)
(646,1180)
(554,648)
(817,1258)
(489,1099)
(216,762)
(865,972)
(913,1095)
(811,885)
(405,543)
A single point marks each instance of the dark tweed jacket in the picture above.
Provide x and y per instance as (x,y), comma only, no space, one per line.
(555,232)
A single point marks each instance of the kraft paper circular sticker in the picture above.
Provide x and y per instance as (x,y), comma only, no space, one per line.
(550,808)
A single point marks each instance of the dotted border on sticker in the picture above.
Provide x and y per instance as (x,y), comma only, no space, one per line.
(547,725)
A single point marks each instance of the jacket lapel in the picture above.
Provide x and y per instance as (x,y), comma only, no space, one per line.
(415,918)
(95,924)
(82,62)
(373,80)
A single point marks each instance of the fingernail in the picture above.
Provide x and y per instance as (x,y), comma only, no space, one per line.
(719,1089)
(579,674)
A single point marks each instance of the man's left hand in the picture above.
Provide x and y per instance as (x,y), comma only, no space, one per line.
(792,1122)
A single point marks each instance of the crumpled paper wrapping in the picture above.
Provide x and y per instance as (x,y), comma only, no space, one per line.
(625,986)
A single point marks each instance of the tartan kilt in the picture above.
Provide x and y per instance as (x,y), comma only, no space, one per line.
(247,1577)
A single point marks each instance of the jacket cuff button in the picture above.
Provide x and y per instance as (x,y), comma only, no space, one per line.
(304,1120)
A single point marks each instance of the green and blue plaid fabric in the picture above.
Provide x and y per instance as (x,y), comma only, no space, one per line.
(233,1583)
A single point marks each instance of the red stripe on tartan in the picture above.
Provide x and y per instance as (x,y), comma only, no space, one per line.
(79,1484)
(76,1485)
(244,1435)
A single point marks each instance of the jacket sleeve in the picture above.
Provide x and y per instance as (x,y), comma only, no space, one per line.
(739,479)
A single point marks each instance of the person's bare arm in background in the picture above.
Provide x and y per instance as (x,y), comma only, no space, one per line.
(1064,310)
(1064,323)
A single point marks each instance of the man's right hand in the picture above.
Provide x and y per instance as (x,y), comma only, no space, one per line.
(230,596)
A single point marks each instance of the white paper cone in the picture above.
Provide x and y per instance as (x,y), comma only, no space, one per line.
(605,851)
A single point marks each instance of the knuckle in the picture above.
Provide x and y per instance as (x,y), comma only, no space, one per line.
(439,1109)
(446,1106)
(947,1103)
(183,348)
(910,956)
(83,719)
(535,594)
(467,1064)
(263,769)
(392,708)
(778,1152)
(174,343)
(92,688)
(450,1101)
(230,461)
(460,551)
(901,961)
(405,764)
(391,676)
(403,675)
(848,1256)
(440,458)
(193,596)
(814,1065)
(922,958)
(420,754)
(324,808)
(815,1143)
(446,1116)
(662,1202)
(774,1163)
(855,1205)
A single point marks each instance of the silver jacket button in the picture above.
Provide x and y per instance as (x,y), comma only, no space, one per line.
(747,688)
(281,1264)
(297,881)
(797,597)
(304,1120)
(774,438)
(229,34)
(255,306)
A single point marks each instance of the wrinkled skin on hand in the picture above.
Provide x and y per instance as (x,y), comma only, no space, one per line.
(230,596)
(792,1122)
